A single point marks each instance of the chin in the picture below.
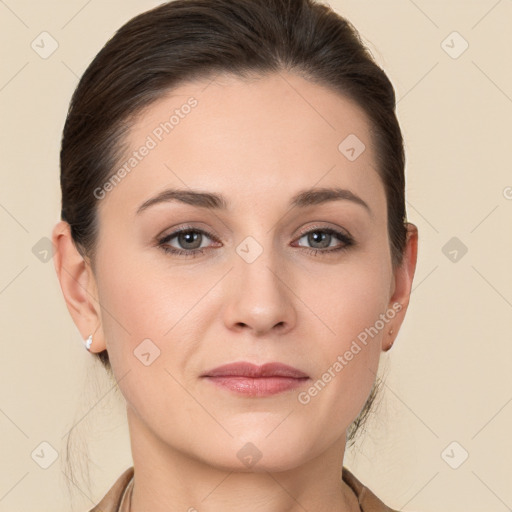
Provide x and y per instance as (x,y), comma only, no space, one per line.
(258,453)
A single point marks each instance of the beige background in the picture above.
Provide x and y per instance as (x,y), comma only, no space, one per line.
(448,375)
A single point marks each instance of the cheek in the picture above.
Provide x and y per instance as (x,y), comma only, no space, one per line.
(352,307)
(144,335)
(351,298)
(150,310)
(137,301)
(135,306)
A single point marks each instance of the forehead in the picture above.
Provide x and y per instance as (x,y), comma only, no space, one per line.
(249,139)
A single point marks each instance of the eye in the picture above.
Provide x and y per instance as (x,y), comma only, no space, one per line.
(323,238)
(189,240)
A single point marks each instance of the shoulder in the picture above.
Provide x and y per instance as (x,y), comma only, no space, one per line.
(368,501)
(112,500)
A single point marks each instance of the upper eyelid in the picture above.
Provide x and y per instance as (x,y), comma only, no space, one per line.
(173,234)
(326,228)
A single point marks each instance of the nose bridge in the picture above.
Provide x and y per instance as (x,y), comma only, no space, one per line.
(258,264)
(260,298)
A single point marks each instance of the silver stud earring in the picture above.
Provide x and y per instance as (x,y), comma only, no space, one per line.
(88,342)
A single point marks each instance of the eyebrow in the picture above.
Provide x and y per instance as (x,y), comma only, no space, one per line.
(212,201)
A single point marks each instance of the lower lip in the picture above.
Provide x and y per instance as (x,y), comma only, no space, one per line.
(261,386)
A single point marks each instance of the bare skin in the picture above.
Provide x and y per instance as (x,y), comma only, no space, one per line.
(258,143)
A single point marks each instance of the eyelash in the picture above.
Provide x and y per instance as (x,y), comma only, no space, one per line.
(162,243)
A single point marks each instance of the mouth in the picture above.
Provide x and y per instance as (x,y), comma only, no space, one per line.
(252,380)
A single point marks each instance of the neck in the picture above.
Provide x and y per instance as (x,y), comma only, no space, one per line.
(168,479)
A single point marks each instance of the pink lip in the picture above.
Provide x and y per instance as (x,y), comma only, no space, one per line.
(252,380)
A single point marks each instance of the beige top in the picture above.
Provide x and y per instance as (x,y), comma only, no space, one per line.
(117,498)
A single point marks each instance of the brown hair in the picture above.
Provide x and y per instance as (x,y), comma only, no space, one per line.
(193,39)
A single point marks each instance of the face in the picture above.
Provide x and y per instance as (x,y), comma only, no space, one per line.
(255,277)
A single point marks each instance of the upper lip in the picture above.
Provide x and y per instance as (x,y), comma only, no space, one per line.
(246,369)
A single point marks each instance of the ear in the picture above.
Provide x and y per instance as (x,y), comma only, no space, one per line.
(78,286)
(402,284)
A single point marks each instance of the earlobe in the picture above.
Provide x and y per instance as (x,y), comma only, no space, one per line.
(402,285)
(78,286)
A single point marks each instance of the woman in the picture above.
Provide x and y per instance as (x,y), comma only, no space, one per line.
(234,249)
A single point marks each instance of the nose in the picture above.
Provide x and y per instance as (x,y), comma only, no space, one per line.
(260,296)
